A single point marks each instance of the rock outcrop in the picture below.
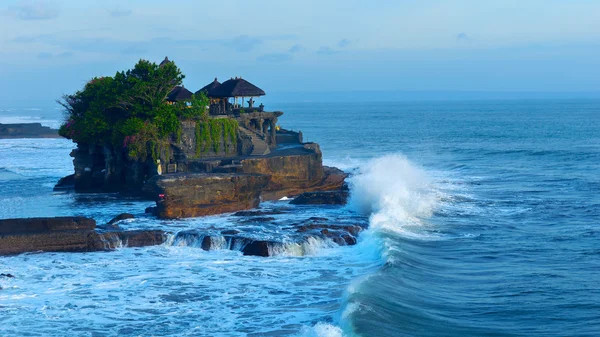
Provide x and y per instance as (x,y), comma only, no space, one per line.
(286,172)
(314,231)
(321,198)
(192,181)
(26,130)
(198,194)
(67,234)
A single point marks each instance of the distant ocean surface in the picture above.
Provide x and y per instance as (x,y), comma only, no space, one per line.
(484,221)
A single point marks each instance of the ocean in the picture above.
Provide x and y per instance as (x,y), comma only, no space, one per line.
(484,220)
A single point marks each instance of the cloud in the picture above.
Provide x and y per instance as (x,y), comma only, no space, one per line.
(48,56)
(343,43)
(327,51)
(119,12)
(275,58)
(239,44)
(243,43)
(297,48)
(34,10)
(462,37)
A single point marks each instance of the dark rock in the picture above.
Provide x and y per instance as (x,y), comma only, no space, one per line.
(65,183)
(150,210)
(206,243)
(122,216)
(349,239)
(67,234)
(7,275)
(256,248)
(341,234)
(51,241)
(42,225)
(257,213)
(138,238)
(321,198)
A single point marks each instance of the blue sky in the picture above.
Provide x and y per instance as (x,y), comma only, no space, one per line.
(50,47)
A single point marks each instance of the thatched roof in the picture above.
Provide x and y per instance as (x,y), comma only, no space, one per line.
(237,87)
(208,89)
(165,61)
(179,93)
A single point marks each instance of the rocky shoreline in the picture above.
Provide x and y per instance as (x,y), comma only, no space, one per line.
(81,234)
(27,130)
(68,234)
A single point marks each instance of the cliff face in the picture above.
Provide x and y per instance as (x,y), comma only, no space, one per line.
(198,194)
(282,173)
(106,169)
(290,172)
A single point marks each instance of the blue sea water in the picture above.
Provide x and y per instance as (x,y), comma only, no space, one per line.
(484,221)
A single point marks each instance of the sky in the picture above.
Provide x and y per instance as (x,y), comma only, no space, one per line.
(52,47)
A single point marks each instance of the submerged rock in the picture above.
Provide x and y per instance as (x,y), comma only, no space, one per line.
(257,248)
(7,275)
(321,198)
(257,213)
(122,216)
(302,238)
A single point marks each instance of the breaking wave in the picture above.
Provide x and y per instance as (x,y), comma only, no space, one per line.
(394,192)
(398,196)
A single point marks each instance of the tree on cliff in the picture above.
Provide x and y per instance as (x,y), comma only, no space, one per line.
(129,109)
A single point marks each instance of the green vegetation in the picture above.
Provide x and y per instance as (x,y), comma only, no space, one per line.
(130,110)
(209,133)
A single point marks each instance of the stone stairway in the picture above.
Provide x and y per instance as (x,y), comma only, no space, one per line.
(261,147)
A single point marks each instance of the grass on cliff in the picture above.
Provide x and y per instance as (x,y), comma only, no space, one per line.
(209,133)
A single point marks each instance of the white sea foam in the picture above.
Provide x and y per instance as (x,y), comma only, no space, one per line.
(322,330)
(395,192)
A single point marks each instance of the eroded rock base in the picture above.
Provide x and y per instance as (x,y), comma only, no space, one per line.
(68,234)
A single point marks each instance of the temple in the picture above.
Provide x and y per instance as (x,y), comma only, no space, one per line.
(235,98)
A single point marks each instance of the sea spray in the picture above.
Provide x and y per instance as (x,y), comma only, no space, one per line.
(310,245)
(393,191)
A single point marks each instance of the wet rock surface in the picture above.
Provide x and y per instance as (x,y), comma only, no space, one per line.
(258,213)
(293,239)
(40,225)
(321,198)
(120,217)
(66,183)
(68,234)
